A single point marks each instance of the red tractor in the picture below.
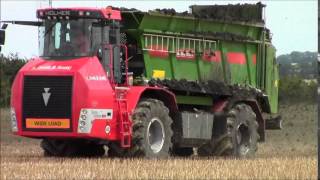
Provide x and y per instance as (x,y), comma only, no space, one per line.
(86,92)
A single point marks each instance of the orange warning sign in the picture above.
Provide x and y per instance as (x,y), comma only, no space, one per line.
(47,123)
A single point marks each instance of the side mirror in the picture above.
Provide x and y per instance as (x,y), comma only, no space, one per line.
(2,36)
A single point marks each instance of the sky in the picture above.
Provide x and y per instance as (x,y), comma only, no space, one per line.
(293,23)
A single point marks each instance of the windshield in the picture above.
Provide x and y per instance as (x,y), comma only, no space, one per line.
(66,38)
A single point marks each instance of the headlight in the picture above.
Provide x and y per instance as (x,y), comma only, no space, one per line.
(108,129)
(82,123)
(87,116)
(14,125)
(83,117)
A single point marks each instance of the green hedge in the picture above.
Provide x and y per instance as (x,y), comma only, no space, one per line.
(9,66)
(297,89)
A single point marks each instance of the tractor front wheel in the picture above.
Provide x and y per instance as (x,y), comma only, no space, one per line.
(152,132)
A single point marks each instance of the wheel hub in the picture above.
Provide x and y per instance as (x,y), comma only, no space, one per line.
(155,133)
(243,139)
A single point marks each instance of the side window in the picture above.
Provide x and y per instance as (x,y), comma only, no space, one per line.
(41,33)
(68,33)
(57,35)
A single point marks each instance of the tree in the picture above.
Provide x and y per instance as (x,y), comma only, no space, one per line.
(9,66)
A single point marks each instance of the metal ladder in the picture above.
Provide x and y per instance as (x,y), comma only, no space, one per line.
(125,122)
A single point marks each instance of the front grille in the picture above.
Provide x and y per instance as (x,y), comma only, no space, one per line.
(58,93)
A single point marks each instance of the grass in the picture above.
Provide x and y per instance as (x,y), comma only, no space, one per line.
(287,154)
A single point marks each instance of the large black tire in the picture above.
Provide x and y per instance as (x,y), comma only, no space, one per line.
(71,148)
(242,133)
(152,132)
(241,137)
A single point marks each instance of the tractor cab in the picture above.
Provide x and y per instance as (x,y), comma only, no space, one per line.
(75,33)
(83,32)
(72,33)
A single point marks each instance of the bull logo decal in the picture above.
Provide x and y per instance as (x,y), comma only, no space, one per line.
(46,96)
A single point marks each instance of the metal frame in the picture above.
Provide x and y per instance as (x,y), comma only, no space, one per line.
(149,38)
(173,43)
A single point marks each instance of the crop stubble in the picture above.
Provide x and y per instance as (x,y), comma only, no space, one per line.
(287,154)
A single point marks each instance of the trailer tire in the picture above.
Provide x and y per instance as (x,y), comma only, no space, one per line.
(152,132)
(71,148)
(242,135)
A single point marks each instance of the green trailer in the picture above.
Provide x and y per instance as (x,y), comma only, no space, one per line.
(213,58)
(184,46)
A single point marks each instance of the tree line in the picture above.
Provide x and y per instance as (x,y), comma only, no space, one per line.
(301,64)
(298,76)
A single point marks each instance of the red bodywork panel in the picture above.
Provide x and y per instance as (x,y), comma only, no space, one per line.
(91,89)
(236,58)
(254,59)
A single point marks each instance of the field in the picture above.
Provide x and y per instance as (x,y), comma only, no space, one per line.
(287,154)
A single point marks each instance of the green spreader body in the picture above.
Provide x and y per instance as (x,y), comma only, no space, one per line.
(234,50)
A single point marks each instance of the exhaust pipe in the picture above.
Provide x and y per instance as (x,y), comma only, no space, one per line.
(274,123)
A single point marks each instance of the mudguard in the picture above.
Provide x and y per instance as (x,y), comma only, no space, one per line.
(136,93)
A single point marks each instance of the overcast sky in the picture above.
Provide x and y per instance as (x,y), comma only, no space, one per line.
(293,23)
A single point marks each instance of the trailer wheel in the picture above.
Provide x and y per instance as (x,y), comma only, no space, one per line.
(242,135)
(71,148)
(152,132)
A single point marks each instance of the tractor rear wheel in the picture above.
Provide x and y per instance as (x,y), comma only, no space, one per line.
(71,148)
(152,133)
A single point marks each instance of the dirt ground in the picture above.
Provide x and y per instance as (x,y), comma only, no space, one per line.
(287,154)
